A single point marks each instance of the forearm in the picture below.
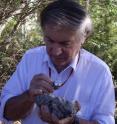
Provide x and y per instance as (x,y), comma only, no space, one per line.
(18,107)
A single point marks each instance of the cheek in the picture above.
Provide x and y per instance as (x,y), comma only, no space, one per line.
(73,52)
(48,48)
(68,53)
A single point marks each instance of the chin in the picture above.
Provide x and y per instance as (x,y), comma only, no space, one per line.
(61,66)
(60,63)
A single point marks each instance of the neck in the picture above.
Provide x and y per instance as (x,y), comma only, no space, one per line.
(59,69)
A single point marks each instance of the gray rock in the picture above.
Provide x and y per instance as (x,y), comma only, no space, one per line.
(57,105)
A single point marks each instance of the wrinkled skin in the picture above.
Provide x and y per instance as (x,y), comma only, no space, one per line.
(43,82)
(62,44)
(46,116)
(38,82)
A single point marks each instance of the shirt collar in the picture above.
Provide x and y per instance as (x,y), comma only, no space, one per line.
(75,62)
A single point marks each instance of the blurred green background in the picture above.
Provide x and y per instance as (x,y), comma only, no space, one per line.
(20,31)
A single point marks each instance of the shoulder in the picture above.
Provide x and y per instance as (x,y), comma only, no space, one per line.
(36,50)
(33,56)
(35,53)
(94,62)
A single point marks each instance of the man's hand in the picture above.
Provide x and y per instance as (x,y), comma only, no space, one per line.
(50,118)
(46,116)
(40,84)
(68,120)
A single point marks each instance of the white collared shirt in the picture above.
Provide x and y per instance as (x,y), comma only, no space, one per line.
(90,84)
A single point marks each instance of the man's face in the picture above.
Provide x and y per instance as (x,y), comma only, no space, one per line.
(62,45)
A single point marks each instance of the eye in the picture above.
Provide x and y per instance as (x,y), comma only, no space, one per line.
(48,40)
(66,44)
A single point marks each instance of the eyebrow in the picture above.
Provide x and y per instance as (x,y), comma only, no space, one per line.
(49,38)
(54,41)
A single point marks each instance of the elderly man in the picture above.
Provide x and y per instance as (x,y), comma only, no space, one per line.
(79,75)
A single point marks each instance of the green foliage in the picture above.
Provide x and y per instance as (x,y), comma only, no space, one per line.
(15,39)
(8,28)
(12,52)
(103,43)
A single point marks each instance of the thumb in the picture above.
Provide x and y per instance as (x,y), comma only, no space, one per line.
(68,120)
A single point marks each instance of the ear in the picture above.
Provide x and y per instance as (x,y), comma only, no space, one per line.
(83,40)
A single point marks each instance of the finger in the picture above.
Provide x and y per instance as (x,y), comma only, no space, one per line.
(38,92)
(47,86)
(45,111)
(67,120)
(42,83)
(77,105)
(43,90)
(43,77)
(35,92)
(45,108)
(55,120)
(39,113)
(41,116)
(45,114)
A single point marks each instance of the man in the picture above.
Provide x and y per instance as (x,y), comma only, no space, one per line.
(84,77)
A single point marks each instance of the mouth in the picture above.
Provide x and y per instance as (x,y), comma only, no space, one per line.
(59,59)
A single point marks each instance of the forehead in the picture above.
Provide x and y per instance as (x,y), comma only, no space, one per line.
(60,33)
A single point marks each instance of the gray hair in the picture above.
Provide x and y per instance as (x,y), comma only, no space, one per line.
(67,13)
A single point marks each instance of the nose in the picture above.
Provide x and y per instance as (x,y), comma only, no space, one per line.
(56,50)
